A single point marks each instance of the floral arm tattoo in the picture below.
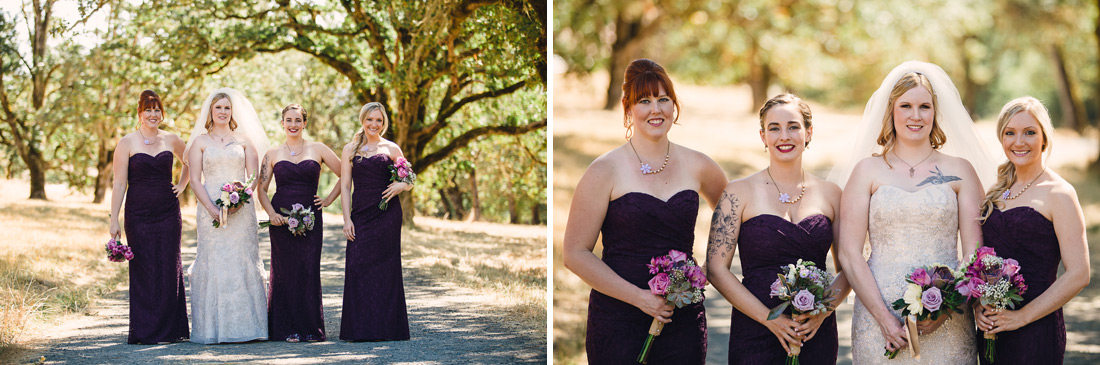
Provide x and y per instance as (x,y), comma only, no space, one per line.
(724,225)
(263,171)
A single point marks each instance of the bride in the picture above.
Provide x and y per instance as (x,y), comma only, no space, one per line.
(915,196)
(228,297)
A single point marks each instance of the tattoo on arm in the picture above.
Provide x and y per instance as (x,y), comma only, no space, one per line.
(263,171)
(724,225)
(939,178)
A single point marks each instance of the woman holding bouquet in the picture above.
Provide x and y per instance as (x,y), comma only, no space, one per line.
(1032,215)
(294,311)
(914,196)
(143,178)
(228,300)
(644,197)
(776,216)
(374,295)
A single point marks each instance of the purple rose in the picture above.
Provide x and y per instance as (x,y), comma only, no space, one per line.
(963,287)
(803,301)
(234,197)
(1011,267)
(659,284)
(293,223)
(932,299)
(677,256)
(297,206)
(983,252)
(776,289)
(920,277)
(973,287)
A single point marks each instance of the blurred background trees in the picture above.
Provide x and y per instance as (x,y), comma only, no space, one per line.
(464,83)
(837,51)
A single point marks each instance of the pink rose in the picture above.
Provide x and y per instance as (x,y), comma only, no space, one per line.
(401,161)
(659,284)
(920,277)
(963,287)
(1011,267)
(983,252)
(248,191)
(227,188)
(677,256)
(402,173)
(697,277)
(973,286)
(932,299)
(803,301)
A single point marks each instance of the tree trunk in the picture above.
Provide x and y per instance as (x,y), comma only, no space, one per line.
(535,214)
(1096,163)
(760,77)
(1073,113)
(447,204)
(104,172)
(475,202)
(37,167)
(628,38)
(970,86)
(513,211)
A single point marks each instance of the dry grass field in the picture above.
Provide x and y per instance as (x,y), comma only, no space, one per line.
(719,122)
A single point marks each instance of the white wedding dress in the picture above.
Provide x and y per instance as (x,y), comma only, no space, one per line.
(910,229)
(228,293)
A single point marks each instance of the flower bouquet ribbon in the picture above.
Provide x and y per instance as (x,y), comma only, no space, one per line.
(680,281)
(804,288)
(299,219)
(994,281)
(234,194)
(931,294)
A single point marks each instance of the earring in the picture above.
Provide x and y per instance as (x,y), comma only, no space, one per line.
(765,148)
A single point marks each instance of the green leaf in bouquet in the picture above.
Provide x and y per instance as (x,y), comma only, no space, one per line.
(265,224)
(285,211)
(775,312)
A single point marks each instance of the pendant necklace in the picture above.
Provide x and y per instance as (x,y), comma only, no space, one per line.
(146,140)
(784,197)
(292,152)
(646,169)
(913,170)
(1005,195)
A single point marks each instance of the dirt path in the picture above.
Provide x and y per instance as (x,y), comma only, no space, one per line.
(448,323)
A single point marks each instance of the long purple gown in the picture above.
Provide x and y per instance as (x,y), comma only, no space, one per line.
(158,308)
(638,227)
(1024,234)
(768,242)
(294,309)
(374,295)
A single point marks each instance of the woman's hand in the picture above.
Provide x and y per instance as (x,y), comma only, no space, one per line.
(214,212)
(178,189)
(985,324)
(349,231)
(392,190)
(927,326)
(1005,320)
(115,230)
(235,209)
(656,306)
(810,324)
(895,335)
(786,330)
(276,219)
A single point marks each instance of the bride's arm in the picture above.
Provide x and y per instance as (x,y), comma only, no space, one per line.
(854,208)
(971,194)
(194,156)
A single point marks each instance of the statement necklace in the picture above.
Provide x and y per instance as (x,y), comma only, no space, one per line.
(646,169)
(292,152)
(1005,195)
(912,170)
(146,140)
(784,197)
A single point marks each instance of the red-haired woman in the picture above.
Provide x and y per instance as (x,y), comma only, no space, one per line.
(143,178)
(644,197)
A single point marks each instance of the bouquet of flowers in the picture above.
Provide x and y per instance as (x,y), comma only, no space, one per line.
(804,287)
(931,294)
(994,281)
(299,219)
(118,252)
(401,170)
(234,194)
(680,281)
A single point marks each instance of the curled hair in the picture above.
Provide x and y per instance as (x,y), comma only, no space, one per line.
(299,108)
(210,117)
(788,98)
(1006,173)
(361,137)
(887,138)
(149,99)
(644,78)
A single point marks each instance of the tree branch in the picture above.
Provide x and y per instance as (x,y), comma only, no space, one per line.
(426,134)
(83,20)
(465,138)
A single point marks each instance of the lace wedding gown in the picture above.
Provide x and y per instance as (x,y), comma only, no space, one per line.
(910,229)
(228,295)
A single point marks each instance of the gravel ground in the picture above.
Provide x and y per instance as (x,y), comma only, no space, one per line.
(449,324)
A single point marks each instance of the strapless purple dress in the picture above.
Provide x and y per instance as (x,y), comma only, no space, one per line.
(374,294)
(637,228)
(1027,236)
(158,307)
(294,309)
(768,242)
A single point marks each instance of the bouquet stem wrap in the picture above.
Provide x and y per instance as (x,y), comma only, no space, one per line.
(654,331)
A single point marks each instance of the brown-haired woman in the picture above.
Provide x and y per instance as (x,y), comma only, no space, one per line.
(143,178)
(294,310)
(777,216)
(374,293)
(644,197)
(1032,215)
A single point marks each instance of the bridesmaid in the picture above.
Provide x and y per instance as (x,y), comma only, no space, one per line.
(374,296)
(642,212)
(294,309)
(1032,215)
(143,176)
(772,233)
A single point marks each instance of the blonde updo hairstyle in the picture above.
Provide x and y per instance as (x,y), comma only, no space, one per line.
(887,138)
(788,98)
(1006,173)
